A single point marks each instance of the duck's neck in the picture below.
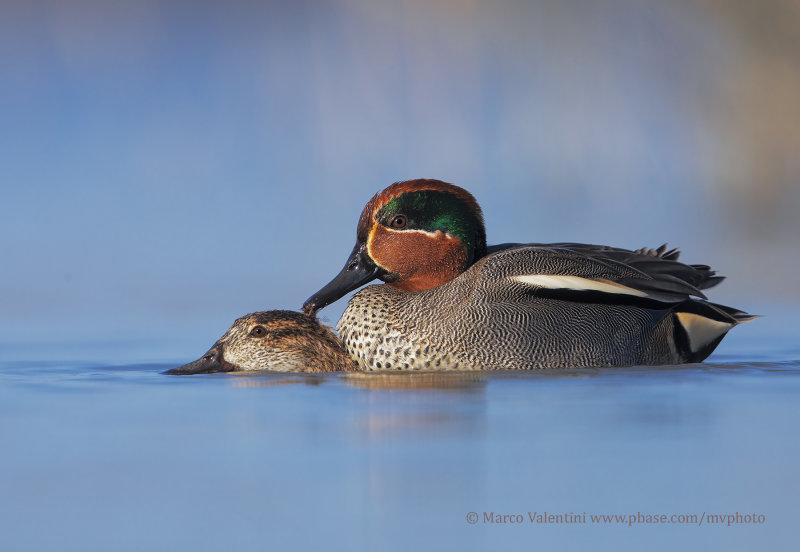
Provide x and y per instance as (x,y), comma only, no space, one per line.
(327,354)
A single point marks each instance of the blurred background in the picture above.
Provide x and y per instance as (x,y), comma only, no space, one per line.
(167,166)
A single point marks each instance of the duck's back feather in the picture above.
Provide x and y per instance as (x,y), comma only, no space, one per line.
(648,274)
(542,306)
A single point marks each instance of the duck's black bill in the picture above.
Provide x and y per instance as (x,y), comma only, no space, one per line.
(208,364)
(358,270)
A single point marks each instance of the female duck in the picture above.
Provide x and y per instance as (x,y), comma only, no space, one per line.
(283,341)
(451,302)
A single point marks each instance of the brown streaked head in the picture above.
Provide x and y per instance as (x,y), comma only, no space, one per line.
(279,340)
(413,235)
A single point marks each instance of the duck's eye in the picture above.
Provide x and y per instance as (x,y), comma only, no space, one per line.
(399,221)
(258,331)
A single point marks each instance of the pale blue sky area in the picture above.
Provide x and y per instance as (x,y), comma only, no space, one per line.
(167,166)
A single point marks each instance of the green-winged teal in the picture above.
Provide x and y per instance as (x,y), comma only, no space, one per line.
(451,302)
(278,340)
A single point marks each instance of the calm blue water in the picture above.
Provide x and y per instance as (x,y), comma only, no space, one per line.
(116,456)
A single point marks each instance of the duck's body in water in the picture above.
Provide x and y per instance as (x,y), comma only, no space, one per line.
(451,302)
(278,340)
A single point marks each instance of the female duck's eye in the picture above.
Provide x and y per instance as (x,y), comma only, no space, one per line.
(258,331)
(398,222)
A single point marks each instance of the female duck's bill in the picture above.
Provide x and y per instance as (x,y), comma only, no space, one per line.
(279,340)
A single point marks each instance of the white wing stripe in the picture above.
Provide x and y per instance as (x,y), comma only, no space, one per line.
(557,281)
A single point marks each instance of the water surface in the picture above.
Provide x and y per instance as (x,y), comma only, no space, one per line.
(116,456)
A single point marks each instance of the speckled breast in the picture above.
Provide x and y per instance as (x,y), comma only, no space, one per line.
(464,326)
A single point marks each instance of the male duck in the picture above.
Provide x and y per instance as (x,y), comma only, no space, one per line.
(451,302)
(278,340)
